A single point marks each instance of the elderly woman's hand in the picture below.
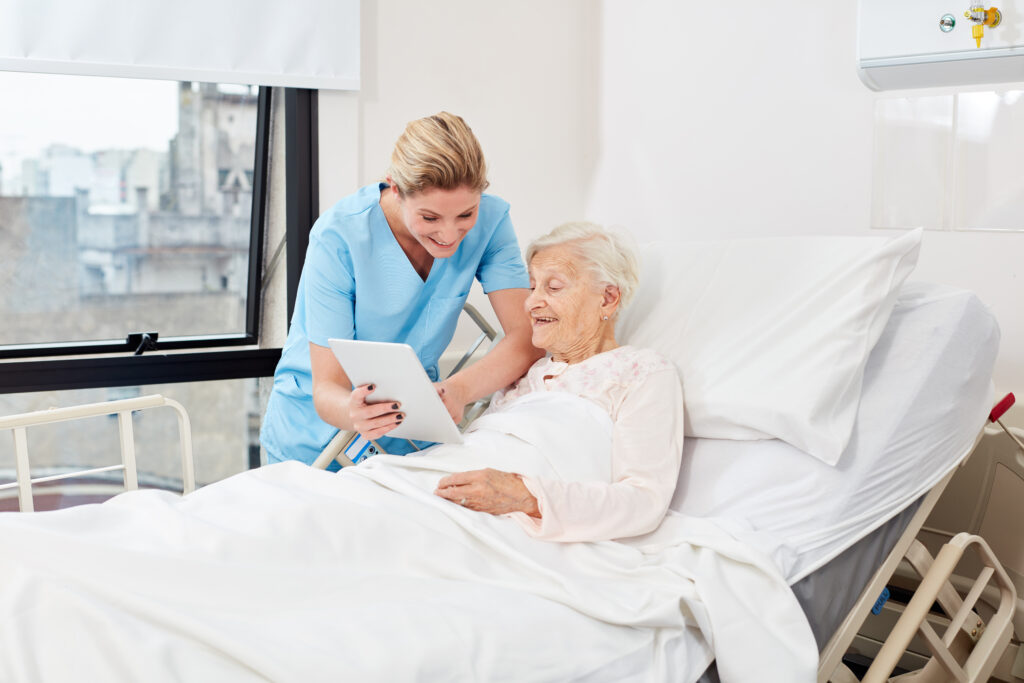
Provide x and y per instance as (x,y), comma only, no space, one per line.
(488,490)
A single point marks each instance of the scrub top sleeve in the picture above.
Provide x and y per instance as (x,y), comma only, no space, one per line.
(329,292)
(502,264)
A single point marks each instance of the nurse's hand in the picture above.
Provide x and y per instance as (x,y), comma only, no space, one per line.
(453,397)
(372,420)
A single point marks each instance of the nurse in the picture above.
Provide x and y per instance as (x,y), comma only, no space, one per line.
(394,262)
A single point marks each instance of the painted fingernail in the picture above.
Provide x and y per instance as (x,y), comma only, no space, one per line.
(394,406)
(400,418)
(371,387)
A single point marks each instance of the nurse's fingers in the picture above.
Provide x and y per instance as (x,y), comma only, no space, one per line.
(359,409)
(360,393)
(377,427)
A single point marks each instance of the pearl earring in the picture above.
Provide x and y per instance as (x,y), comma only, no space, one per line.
(604,318)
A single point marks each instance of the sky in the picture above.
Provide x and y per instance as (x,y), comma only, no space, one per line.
(86,112)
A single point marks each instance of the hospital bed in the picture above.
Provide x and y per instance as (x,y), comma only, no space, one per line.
(837,533)
(925,396)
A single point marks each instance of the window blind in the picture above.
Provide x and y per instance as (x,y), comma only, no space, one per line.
(298,43)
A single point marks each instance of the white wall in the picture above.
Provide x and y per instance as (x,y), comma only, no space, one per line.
(751,122)
(754,123)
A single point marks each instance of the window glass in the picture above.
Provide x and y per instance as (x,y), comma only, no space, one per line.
(125,207)
(224,416)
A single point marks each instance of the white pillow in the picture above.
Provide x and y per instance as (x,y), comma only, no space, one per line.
(770,335)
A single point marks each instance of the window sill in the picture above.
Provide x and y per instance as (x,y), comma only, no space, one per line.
(154,367)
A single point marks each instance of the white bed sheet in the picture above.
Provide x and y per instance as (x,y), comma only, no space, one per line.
(289,573)
(927,392)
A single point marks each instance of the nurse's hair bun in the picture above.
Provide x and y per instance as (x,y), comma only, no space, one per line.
(438,152)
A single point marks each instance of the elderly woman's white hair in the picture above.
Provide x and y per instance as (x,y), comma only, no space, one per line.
(607,255)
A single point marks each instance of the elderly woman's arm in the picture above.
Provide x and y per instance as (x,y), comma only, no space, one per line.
(647,445)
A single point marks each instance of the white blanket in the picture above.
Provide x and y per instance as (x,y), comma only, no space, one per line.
(293,574)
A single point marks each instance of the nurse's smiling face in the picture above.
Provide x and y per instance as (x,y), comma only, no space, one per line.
(438,219)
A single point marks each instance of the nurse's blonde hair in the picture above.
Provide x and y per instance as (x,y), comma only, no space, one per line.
(607,255)
(438,152)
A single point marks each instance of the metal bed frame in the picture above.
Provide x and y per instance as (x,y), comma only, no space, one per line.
(18,425)
(969,649)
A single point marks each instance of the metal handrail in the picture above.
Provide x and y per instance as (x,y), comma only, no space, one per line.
(123,408)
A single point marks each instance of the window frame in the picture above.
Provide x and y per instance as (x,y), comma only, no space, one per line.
(45,367)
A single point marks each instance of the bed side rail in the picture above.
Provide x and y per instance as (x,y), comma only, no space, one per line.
(19,424)
(969,649)
(830,666)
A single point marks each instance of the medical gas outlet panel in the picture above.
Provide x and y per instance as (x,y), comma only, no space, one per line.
(929,43)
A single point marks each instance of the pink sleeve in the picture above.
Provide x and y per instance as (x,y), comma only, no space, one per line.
(647,448)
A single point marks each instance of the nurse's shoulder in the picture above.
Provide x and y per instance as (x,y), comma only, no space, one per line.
(349,219)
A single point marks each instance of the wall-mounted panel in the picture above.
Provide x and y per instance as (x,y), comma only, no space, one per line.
(929,43)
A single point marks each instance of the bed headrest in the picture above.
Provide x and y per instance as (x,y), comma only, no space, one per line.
(770,335)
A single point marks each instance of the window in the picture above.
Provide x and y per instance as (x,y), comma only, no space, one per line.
(128,206)
(218,386)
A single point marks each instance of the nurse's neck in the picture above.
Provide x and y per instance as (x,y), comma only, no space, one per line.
(419,258)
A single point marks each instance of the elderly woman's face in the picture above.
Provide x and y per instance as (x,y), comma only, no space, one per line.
(564,304)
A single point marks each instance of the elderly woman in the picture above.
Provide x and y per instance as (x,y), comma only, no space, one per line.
(581,276)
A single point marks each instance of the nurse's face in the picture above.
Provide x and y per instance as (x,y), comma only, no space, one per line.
(439,219)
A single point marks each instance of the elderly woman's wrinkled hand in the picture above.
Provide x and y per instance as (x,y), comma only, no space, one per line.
(489,490)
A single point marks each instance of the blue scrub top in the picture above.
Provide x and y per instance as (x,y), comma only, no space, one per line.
(357,283)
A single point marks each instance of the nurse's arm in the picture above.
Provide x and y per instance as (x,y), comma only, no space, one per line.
(346,408)
(507,361)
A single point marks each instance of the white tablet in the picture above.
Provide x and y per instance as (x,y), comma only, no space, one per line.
(397,372)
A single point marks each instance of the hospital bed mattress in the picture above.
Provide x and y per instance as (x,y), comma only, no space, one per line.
(926,394)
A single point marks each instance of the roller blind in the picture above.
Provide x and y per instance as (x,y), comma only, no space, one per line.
(293,43)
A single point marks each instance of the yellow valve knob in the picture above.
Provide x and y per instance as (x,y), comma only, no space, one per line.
(980,18)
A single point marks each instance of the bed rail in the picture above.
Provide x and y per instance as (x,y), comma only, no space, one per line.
(18,424)
(970,649)
(830,666)
(967,637)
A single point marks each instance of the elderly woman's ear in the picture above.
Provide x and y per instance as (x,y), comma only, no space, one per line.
(611,302)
